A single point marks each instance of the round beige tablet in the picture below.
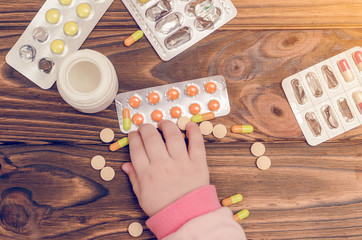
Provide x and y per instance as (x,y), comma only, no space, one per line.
(263,162)
(98,162)
(257,149)
(206,127)
(107,173)
(107,135)
(182,121)
(135,229)
(219,131)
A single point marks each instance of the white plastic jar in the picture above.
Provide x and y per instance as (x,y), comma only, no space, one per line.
(87,81)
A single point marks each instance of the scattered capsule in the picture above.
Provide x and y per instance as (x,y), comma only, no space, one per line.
(202,117)
(83,10)
(232,200)
(241,215)
(133,38)
(57,46)
(242,129)
(134,101)
(357,98)
(71,28)
(137,119)
(214,105)
(52,16)
(153,97)
(173,94)
(175,112)
(357,56)
(346,71)
(119,144)
(126,119)
(192,90)
(156,115)
(210,87)
(194,108)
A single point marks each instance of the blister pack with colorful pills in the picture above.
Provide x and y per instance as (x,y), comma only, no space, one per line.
(172,101)
(326,98)
(57,30)
(172,26)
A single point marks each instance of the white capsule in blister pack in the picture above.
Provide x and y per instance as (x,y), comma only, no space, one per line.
(172,101)
(172,26)
(326,98)
(57,30)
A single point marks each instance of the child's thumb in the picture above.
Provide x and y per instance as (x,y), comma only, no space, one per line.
(129,169)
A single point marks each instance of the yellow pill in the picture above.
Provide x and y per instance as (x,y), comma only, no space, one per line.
(241,215)
(232,200)
(126,119)
(83,10)
(52,16)
(133,38)
(65,2)
(57,46)
(119,144)
(242,129)
(143,1)
(71,28)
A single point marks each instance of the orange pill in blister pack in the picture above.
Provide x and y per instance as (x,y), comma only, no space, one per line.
(173,94)
(134,101)
(210,87)
(153,98)
(357,57)
(137,119)
(214,105)
(175,112)
(194,108)
(345,70)
(157,115)
(192,90)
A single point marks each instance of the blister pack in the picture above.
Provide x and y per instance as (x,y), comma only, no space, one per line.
(326,98)
(172,26)
(57,30)
(171,101)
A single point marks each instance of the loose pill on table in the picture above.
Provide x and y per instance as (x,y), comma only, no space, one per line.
(134,101)
(98,162)
(257,149)
(202,117)
(210,87)
(57,46)
(357,98)
(241,215)
(192,90)
(173,94)
(133,38)
(83,10)
(157,115)
(214,105)
(65,2)
(71,28)
(175,112)
(242,129)
(119,144)
(107,173)
(52,16)
(135,229)
(106,135)
(263,163)
(153,98)
(232,200)
(182,122)
(346,71)
(137,119)
(357,56)
(194,108)
(126,114)
(219,131)
(206,128)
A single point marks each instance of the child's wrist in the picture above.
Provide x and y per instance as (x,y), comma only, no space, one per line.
(196,203)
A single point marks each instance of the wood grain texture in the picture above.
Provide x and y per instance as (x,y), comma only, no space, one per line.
(49,191)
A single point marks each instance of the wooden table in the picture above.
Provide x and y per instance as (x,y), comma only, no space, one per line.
(49,191)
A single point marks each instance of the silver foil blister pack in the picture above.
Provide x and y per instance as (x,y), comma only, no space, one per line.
(57,30)
(326,98)
(172,26)
(174,100)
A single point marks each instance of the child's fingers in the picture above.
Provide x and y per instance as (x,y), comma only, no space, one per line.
(196,142)
(137,151)
(175,143)
(152,140)
(129,169)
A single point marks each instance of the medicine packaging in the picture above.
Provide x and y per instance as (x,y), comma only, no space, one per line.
(172,26)
(57,30)
(326,98)
(172,101)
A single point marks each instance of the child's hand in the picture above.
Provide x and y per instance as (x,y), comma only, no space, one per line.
(161,172)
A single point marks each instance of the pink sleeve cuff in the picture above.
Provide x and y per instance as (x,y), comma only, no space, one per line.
(196,203)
